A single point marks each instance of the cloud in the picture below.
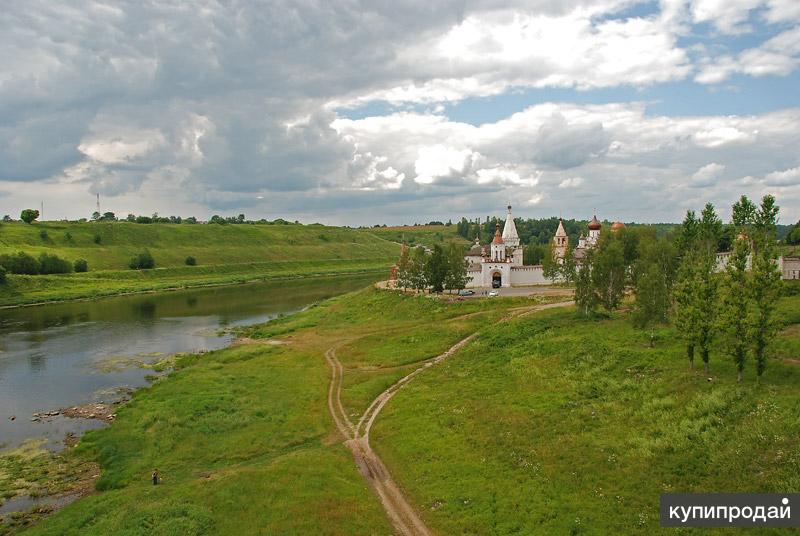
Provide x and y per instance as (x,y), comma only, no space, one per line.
(779,56)
(166,106)
(707,175)
(788,177)
(441,162)
(571,182)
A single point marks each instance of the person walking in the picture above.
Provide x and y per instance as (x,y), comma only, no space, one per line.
(155,477)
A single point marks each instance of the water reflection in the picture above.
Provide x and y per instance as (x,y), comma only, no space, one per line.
(53,356)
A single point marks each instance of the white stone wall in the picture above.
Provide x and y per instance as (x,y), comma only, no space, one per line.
(529,275)
(790,267)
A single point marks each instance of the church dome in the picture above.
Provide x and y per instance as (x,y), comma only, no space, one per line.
(617,225)
(497,238)
(594,225)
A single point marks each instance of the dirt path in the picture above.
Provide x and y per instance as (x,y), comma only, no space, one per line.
(403,516)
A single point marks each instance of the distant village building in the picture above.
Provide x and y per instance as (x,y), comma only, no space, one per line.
(790,267)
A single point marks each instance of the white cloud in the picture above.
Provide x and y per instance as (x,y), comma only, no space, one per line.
(779,56)
(571,182)
(441,162)
(788,177)
(219,105)
(707,175)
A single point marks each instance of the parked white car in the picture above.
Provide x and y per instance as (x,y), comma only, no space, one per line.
(493,293)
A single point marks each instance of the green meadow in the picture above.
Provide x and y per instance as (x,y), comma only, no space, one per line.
(548,423)
(424,235)
(554,424)
(225,254)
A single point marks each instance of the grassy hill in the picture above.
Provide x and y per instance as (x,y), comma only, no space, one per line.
(426,235)
(224,254)
(549,423)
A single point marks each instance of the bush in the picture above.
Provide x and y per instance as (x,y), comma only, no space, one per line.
(43,235)
(2,275)
(68,236)
(97,239)
(191,261)
(142,261)
(20,263)
(81,265)
(53,264)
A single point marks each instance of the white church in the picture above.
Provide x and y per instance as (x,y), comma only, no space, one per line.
(501,265)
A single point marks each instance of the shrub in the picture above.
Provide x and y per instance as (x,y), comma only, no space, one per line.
(142,261)
(191,261)
(81,265)
(53,264)
(98,239)
(68,236)
(29,215)
(43,235)
(20,263)
(2,275)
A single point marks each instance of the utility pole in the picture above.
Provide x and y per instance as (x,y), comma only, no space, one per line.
(98,202)
(41,212)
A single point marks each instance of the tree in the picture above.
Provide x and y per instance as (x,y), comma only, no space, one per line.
(404,268)
(793,238)
(743,214)
(696,289)
(709,229)
(686,312)
(585,296)
(734,314)
(706,304)
(609,272)
(81,265)
(95,215)
(29,215)
(654,276)
(766,281)
(3,277)
(142,261)
(456,277)
(191,261)
(417,269)
(436,269)
(688,233)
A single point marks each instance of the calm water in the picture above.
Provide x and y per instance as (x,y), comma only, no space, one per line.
(61,355)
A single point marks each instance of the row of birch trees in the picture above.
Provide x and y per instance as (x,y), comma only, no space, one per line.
(717,307)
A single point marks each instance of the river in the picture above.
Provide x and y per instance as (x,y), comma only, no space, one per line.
(68,354)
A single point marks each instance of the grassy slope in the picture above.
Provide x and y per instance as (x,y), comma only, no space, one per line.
(243,437)
(546,424)
(224,253)
(426,235)
(553,425)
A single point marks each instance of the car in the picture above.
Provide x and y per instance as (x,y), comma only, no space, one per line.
(493,293)
(466,292)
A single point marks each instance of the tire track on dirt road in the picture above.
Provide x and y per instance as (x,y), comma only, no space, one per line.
(404,517)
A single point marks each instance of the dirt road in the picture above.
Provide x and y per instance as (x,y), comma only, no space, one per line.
(403,516)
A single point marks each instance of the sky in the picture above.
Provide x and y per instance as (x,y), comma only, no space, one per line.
(361,113)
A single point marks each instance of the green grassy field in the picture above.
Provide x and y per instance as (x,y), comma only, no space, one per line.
(242,436)
(552,424)
(225,254)
(547,424)
(426,235)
